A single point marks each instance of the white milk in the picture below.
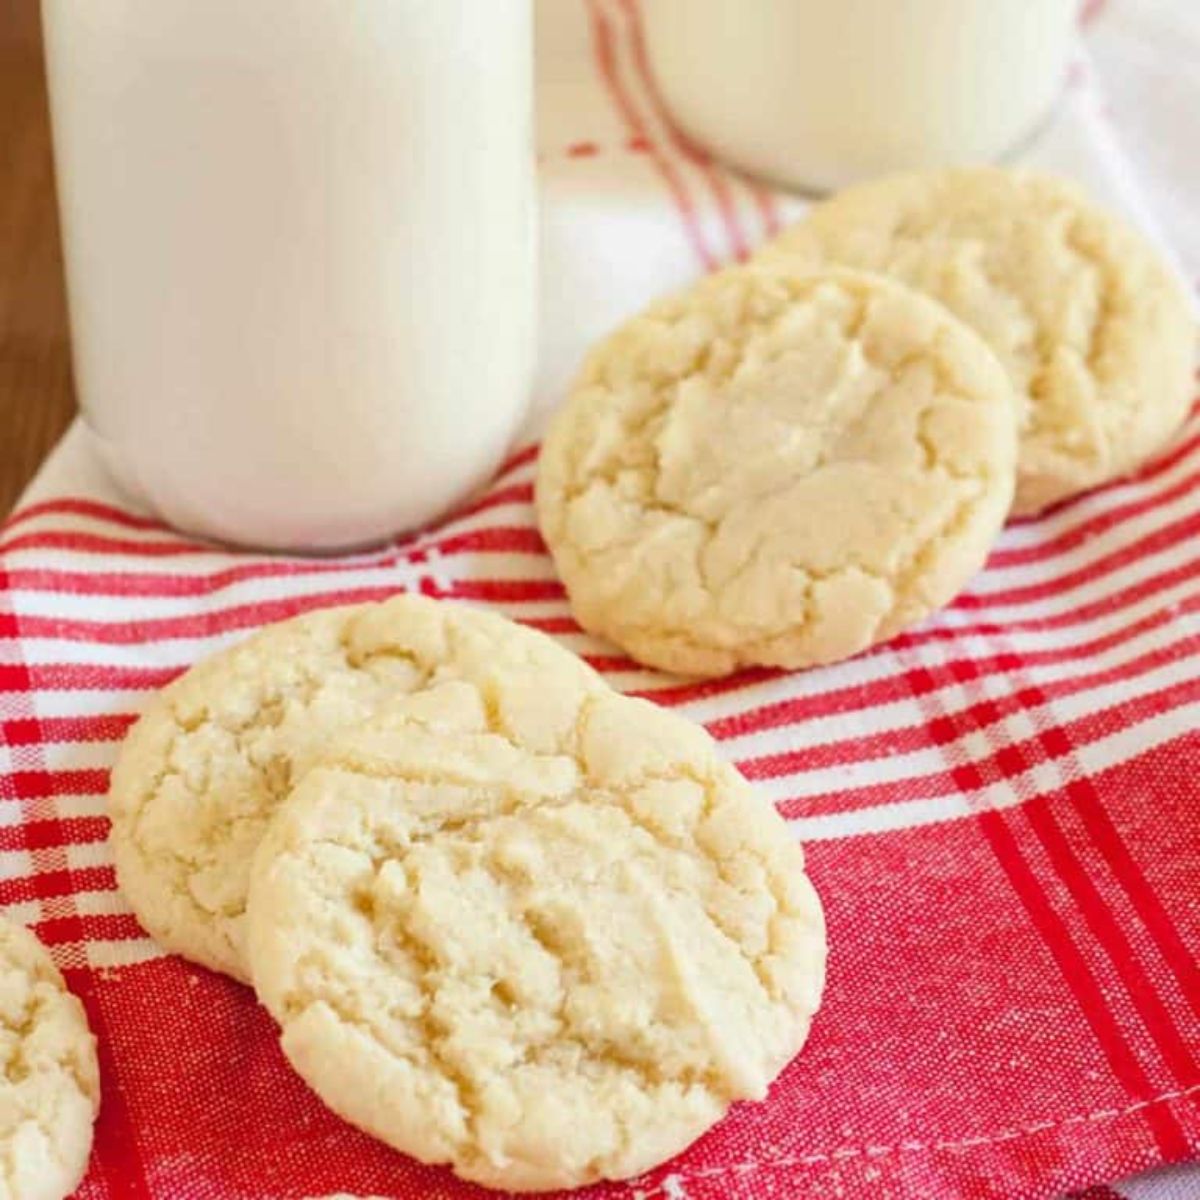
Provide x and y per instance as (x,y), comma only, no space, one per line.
(818,93)
(300,251)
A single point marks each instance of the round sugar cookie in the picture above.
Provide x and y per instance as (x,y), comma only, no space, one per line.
(545,957)
(50,1092)
(776,468)
(1093,328)
(201,773)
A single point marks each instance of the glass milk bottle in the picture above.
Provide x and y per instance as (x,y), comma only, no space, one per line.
(300,253)
(820,93)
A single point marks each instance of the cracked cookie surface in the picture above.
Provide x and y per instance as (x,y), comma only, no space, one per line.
(204,769)
(1094,330)
(776,468)
(544,952)
(50,1091)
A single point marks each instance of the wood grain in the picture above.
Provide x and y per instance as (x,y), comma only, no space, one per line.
(36,396)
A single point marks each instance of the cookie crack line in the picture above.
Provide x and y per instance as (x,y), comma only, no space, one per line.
(514,803)
(898,583)
(590,796)
(435,973)
(637,430)
(568,1031)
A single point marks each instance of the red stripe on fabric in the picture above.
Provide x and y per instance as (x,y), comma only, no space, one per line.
(199,625)
(954,633)
(89,927)
(916,736)
(1109,935)
(1164,538)
(508,591)
(1078,976)
(1085,531)
(34,835)
(607,664)
(105,727)
(714,175)
(150,585)
(515,493)
(46,885)
(496,539)
(605,56)
(992,768)
(1080,614)
(30,731)
(899,686)
(81,677)
(516,460)
(1089,807)
(95,543)
(34,785)
(582,150)
(522,539)
(156,585)
(563,626)
(117,1151)
(768,208)
(81,507)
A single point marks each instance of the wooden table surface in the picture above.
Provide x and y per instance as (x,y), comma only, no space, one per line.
(36,396)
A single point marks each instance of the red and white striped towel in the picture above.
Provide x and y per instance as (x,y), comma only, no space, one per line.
(1001,808)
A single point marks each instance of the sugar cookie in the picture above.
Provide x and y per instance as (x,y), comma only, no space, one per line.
(545,955)
(1096,333)
(776,468)
(51,1088)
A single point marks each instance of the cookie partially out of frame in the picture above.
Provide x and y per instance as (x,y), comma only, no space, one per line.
(776,468)
(1093,328)
(545,952)
(50,1088)
(204,769)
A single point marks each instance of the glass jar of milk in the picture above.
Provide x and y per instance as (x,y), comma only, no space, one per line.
(819,93)
(300,253)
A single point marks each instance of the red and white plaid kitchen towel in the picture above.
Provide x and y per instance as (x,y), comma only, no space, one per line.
(1002,808)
